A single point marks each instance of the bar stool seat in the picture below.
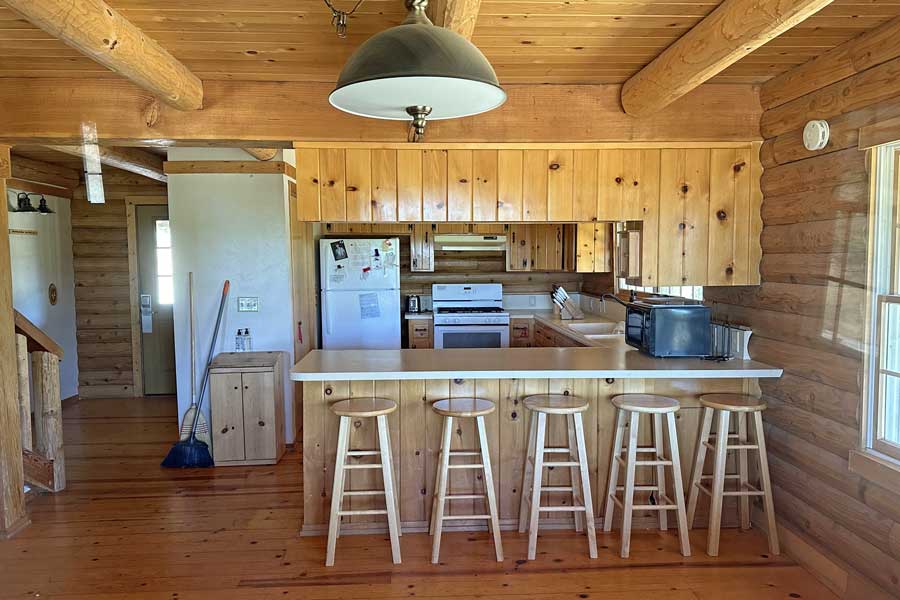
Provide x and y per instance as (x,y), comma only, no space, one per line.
(463,408)
(646,403)
(733,402)
(720,443)
(631,407)
(542,405)
(363,407)
(348,410)
(556,404)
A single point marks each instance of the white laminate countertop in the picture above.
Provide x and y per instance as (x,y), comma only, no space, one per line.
(613,359)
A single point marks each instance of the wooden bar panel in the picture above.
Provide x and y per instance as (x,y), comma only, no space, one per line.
(510,164)
(384,186)
(358,169)
(409,185)
(484,195)
(333,188)
(729,217)
(459,185)
(560,185)
(434,185)
(535,168)
(416,435)
(308,185)
(586,182)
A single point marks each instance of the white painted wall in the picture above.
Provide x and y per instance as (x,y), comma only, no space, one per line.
(38,261)
(232,227)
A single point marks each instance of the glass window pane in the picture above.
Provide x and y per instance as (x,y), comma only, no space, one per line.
(889,390)
(163,261)
(163,236)
(890,336)
(166,293)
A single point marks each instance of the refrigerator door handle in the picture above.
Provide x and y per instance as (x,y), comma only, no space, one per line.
(325,318)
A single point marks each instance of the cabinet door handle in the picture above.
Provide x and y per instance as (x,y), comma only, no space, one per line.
(262,423)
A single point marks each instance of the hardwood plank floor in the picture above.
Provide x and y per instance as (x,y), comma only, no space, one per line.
(126,528)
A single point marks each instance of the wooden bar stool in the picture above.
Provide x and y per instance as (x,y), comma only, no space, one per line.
(631,406)
(741,405)
(359,408)
(463,408)
(542,405)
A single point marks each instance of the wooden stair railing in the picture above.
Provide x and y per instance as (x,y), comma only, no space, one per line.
(42,455)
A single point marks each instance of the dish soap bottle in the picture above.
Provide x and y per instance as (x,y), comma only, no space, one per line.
(239,342)
(248,341)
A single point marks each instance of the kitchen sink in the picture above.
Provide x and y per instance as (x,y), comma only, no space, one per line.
(593,329)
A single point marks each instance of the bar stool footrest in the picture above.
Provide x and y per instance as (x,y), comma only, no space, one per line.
(345,513)
(372,466)
(364,493)
(464,496)
(561,508)
(561,463)
(466,517)
(363,452)
(466,466)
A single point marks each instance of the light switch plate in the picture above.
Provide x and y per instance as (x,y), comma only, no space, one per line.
(248,304)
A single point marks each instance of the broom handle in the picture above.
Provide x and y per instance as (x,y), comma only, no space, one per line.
(193,342)
(212,347)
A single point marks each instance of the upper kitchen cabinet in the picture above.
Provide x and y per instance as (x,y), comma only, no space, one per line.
(696,206)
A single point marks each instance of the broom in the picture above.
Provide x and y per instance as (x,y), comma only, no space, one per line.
(192,452)
(188,421)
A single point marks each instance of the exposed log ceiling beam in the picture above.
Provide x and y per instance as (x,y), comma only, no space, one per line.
(262,153)
(732,31)
(100,32)
(128,159)
(456,15)
(44,173)
(250,113)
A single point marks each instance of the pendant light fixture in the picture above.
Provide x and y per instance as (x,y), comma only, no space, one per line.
(43,208)
(416,71)
(23,204)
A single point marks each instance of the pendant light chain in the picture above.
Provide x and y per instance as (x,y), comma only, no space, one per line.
(339,17)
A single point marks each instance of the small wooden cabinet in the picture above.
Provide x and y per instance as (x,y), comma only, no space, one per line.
(521,332)
(548,337)
(246,392)
(421,333)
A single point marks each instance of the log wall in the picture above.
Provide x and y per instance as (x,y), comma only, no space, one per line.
(102,302)
(808,317)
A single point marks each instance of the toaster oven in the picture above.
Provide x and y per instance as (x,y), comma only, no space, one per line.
(668,330)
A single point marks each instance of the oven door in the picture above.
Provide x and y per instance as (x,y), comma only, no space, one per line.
(471,336)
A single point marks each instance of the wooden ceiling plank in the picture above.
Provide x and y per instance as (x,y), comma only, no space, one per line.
(732,31)
(136,161)
(100,32)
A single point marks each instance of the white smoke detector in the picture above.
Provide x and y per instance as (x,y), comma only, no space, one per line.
(815,135)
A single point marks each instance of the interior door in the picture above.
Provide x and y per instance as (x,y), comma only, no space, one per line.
(155,297)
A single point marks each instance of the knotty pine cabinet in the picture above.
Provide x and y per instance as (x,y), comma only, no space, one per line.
(420,333)
(521,332)
(246,393)
(697,204)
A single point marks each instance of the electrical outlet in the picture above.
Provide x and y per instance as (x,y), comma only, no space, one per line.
(248,304)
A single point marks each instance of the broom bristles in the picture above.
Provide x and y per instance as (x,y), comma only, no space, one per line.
(192,454)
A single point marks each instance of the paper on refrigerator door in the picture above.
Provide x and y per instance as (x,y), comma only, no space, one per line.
(369,308)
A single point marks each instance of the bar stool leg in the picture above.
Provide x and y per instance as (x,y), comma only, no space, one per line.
(337,489)
(527,474)
(660,470)
(680,512)
(489,487)
(743,471)
(697,469)
(628,499)
(766,484)
(390,454)
(575,474)
(536,483)
(387,472)
(718,484)
(613,479)
(441,489)
(585,484)
(437,485)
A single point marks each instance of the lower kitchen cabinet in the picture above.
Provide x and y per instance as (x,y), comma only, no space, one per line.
(548,337)
(421,333)
(521,332)
(246,392)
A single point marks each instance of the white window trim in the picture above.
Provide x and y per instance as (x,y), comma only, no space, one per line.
(867,461)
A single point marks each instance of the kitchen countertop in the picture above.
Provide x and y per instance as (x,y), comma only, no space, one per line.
(612,359)
(425,315)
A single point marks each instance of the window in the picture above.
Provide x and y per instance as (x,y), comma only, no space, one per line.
(165,291)
(883,375)
(693,292)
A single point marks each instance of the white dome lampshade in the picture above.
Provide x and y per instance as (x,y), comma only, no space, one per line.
(416,70)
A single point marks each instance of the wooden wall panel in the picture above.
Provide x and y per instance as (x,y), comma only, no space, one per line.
(434,185)
(808,315)
(333,188)
(459,185)
(484,195)
(560,185)
(509,185)
(585,165)
(358,174)
(384,185)
(308,184)
(729,216)
(535,169)
(409,185)
(102,304)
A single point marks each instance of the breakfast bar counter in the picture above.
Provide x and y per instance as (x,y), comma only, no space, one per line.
(414,379)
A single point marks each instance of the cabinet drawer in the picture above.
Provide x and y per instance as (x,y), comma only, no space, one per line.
(227,416)
(521,333)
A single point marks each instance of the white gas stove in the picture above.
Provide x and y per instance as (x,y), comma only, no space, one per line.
(469,316)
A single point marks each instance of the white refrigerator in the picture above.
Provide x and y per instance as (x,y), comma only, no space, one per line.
(360,287)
